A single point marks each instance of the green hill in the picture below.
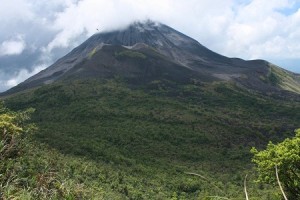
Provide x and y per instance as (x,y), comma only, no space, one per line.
(119,142)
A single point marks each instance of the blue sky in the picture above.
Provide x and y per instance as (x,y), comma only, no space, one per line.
(290,10)
(36,33)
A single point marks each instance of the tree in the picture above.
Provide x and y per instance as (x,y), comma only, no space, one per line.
(284,156)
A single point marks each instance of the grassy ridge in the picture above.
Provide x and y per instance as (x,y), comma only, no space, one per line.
(138,143)
(284,79)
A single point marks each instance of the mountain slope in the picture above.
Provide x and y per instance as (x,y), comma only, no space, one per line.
(139,143)
(124,117)
(160,47)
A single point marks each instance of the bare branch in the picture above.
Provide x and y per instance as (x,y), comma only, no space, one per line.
(218,197)
(204,178)
(245,187)
(191,173)
(277,177)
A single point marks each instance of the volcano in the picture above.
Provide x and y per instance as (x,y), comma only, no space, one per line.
(148,51)
(134,113)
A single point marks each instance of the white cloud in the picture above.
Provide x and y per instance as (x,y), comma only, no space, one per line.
(12,47)
(17,10)
(88,15)
(233,28)
(22,75)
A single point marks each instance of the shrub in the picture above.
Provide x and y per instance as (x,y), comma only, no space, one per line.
(286,157)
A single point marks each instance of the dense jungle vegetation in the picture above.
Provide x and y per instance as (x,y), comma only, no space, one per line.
(104,140)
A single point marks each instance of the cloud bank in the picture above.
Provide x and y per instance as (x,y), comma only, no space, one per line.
(20,76)
(46,30)
(12,47)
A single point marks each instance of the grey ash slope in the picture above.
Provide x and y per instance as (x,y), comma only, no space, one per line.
(156,51)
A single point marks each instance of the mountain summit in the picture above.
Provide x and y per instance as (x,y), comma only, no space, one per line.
(149,51)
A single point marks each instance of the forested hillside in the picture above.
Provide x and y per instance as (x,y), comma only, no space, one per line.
(104,139)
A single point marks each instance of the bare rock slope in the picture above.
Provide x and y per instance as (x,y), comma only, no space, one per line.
(148,51)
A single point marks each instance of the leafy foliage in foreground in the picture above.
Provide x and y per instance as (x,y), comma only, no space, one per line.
(107,139)
(286,156)
(26,170)
(13,130)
